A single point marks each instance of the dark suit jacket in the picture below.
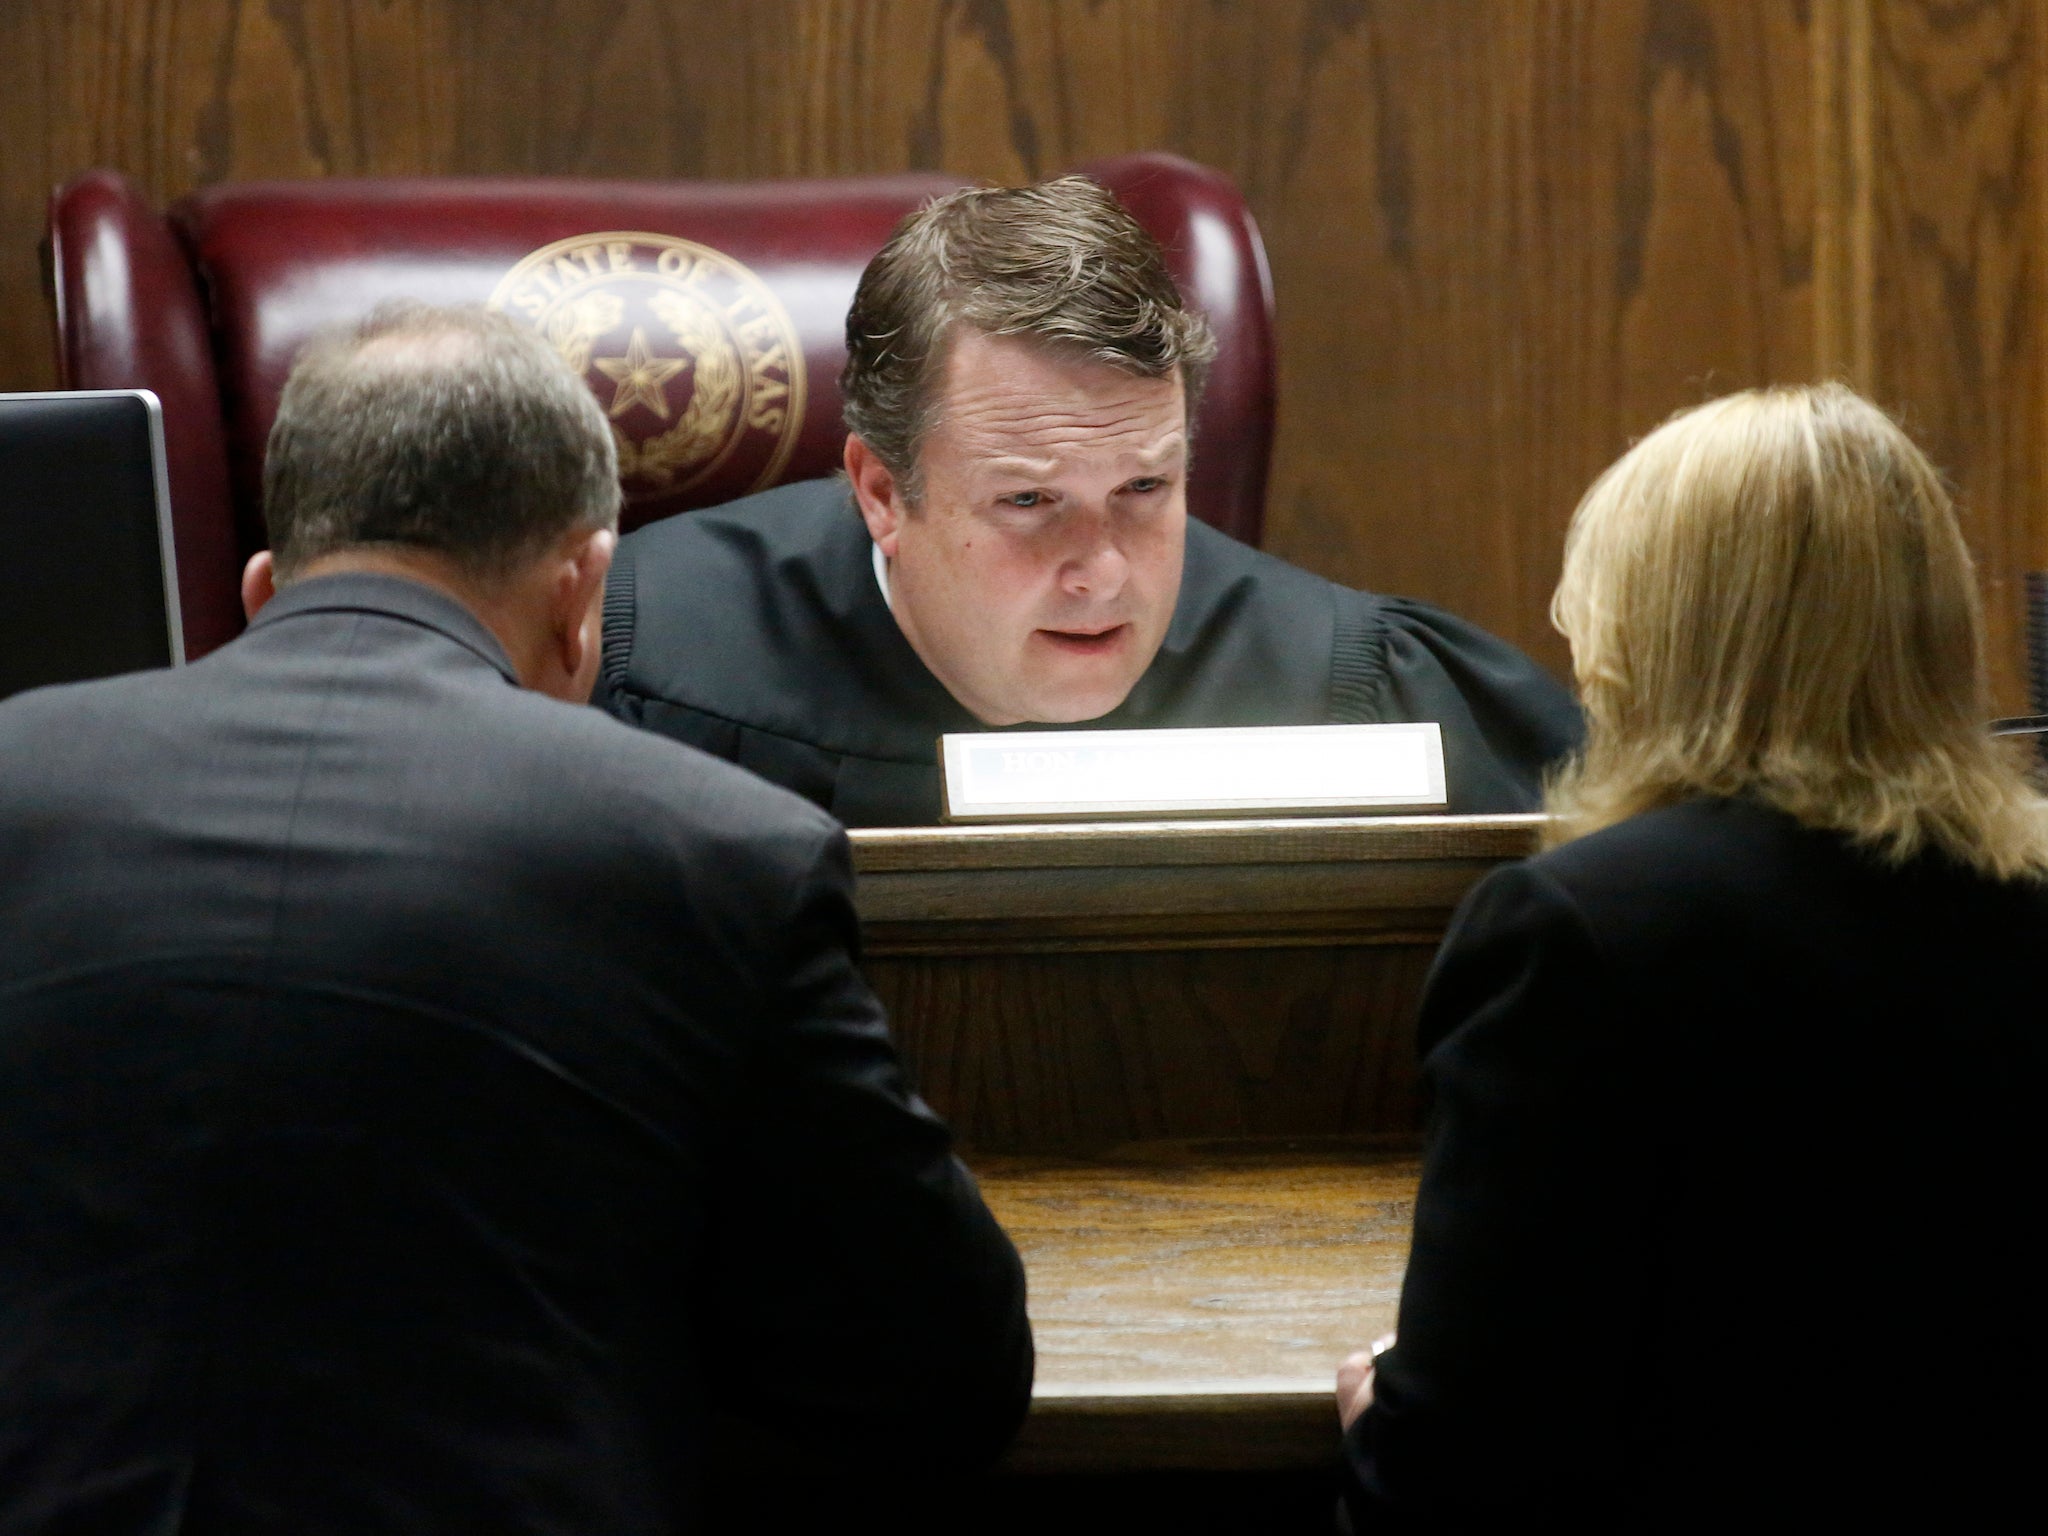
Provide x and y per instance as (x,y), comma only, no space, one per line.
(757,631)
(419,1099)
(1734,1202)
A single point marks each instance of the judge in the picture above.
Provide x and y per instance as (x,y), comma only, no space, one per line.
(1010,546)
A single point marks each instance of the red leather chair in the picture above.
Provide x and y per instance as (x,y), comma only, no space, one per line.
(709,316)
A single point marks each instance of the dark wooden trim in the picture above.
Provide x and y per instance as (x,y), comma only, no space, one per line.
(1268,840)
(1174,885)
(1232,1426)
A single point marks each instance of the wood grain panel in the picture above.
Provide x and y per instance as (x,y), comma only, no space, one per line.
(1036,1052)
(1957,103)
(1512,246)
(1507,235)
(1060,987)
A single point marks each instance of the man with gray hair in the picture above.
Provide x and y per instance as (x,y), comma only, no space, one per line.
(1011,545)
(423,1098)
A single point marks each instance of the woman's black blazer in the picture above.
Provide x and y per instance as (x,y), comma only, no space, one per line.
(1734,1198)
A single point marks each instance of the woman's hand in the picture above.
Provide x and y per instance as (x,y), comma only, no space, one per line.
(1354,1379)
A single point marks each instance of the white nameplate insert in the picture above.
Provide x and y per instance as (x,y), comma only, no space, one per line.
(1328,769)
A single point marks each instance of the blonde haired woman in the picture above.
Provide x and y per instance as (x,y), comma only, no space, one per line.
(1734,1202)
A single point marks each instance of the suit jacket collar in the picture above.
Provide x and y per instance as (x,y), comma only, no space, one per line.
(396,597)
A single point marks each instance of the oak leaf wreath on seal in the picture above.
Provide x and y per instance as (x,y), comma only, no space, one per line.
(716,374)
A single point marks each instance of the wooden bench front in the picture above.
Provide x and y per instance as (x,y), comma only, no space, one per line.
(1180,1058)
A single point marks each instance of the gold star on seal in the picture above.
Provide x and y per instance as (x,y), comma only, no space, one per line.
(640,375)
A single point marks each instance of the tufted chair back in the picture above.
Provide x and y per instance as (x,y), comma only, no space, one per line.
(708,316)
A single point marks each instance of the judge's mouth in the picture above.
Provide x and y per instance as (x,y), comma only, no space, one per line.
(1086,642)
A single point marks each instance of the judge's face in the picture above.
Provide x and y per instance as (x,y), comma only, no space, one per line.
(1038,573)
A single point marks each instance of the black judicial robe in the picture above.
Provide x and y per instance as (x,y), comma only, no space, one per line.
(757,632)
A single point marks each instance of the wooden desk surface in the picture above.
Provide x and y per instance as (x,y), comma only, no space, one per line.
(1191,1301)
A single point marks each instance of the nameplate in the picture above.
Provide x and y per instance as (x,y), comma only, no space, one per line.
(1323,769)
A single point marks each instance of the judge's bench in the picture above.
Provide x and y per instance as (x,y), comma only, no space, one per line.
(1180,1056)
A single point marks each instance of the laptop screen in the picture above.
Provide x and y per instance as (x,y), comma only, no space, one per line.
(88,584)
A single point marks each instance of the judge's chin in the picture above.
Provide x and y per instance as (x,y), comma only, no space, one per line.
(1069,677)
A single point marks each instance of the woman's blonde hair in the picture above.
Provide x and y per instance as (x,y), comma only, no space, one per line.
(1770,596)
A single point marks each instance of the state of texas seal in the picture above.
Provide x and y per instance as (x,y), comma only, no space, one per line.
(692,357)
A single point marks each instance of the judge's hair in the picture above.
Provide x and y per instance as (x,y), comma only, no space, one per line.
(450,430)
(1060,263)
(1769,596)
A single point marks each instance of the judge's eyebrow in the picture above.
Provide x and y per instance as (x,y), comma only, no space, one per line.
(1168,453)
(1022,469)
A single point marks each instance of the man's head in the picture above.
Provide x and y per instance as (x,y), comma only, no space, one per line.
(1021,375)
(451,446)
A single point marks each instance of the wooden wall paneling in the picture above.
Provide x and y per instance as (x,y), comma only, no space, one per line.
(181,95)
(1506,244)
(1007,91)
(70,73)
(1844,230)
(626,88)
(1508,235)
(1957,293)
(300,89)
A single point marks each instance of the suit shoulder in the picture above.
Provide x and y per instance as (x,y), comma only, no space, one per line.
(567,795)
(649,779)
(1644,852)
(47,733)
(1700,833)
(104,697)
(1681,883)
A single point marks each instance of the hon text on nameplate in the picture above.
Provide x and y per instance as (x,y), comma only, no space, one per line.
(1290,769)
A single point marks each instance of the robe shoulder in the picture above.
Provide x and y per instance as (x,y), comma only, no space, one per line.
(755,632)
(1261,642)
(764,613)
(1504,718)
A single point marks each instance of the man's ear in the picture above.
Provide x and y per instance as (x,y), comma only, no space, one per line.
(577,604)
(259,583)
(876,491)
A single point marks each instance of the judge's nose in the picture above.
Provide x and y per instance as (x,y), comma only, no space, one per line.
(1097,569)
